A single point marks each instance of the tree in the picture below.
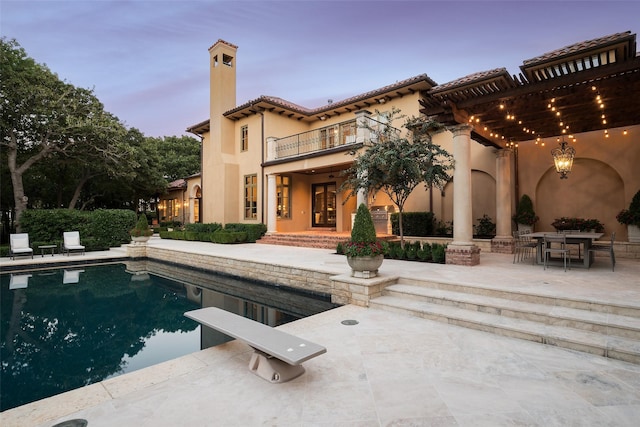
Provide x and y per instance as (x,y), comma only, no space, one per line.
(396,165)
(43,116)
(180,156)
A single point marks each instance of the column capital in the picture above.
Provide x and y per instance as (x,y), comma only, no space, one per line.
(504,152)
(460,129)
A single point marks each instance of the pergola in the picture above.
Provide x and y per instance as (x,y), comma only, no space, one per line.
(505,109)
(589,86)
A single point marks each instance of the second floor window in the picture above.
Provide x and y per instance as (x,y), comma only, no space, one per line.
(244,138)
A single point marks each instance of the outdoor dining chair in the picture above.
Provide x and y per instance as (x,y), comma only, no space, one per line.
(606,248)
(576,244)
(524,246)
(560,248)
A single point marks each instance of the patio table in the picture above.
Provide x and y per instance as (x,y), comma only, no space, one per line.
(585,239)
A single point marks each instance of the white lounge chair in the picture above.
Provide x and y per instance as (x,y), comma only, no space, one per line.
(19,245)
(71,242)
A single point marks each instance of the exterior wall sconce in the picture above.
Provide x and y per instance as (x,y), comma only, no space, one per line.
(563,158)
(323,118)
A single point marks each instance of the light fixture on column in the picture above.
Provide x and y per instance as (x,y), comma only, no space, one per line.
(563,158)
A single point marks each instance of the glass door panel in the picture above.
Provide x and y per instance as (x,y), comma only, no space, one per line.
(324,205)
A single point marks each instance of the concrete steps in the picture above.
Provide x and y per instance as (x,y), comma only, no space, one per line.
(598,328)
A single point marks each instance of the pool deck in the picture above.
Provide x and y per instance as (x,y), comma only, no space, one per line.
(389,369)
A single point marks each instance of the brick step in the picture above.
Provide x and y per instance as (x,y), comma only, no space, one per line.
(304,240)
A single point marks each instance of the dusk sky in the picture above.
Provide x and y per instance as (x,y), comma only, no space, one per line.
(148,61)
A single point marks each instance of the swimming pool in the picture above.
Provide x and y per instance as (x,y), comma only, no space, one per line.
(66,328)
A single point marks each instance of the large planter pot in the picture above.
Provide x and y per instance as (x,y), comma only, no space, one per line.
(634,233)
(525,227)
(365,267)
(140,240)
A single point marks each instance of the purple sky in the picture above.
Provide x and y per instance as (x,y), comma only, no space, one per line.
(148,60)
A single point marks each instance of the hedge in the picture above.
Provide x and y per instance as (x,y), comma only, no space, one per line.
(418,224)
(99,229)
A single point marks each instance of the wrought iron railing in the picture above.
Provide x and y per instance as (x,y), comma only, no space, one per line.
(317,140)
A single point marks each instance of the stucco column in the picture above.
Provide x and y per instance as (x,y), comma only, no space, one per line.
(462,251)
(503,242)
(272,201)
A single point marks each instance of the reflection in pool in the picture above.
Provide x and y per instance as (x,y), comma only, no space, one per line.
(66,328)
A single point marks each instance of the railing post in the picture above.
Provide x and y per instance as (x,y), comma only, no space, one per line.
(271,148)
(362,120)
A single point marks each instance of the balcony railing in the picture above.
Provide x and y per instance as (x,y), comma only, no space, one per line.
(317,140)
(328,137)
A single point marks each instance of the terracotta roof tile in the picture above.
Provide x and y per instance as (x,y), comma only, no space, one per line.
(310,111)
(471,78)
(577,47)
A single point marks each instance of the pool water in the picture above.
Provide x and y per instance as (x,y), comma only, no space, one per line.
(62,329)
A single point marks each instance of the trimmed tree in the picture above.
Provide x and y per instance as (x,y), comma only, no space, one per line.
(396,165)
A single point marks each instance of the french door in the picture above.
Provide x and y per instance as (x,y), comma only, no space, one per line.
(324,204)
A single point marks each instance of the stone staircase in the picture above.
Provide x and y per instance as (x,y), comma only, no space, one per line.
(609,330)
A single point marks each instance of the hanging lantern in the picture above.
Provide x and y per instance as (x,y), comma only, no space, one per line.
(563,158)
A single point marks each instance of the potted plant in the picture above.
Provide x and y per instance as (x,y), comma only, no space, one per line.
(525,216)
(364,252)
(141,232)
(631,218)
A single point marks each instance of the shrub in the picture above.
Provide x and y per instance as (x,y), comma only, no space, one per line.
(142,228)
(444,228)
(411,250)
(253,231)
(631,216)
(100,229)
(418,224)
(524,212)
(486,227)
(226,236)
(424,254)
(438,253)
(363,236)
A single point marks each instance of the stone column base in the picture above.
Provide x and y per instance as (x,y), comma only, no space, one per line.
(502,245)
(137,251)
(462,255)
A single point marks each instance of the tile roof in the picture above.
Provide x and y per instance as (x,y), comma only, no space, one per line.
(471,78)
(577,47)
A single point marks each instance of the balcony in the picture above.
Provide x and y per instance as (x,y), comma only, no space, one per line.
(316,140)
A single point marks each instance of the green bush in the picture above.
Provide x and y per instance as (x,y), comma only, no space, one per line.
(363,229)
(424,254)
(176,235)
(110,227)
(438,253)
(411,250)
(199,227)
(419,224)
(486,227)
(226,236)
(254,231)
(99,230)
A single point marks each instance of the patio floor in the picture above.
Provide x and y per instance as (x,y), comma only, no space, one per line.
(389,369)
